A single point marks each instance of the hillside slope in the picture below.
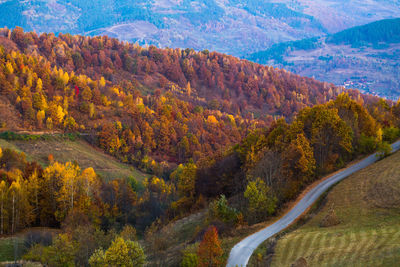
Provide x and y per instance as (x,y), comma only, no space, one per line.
(205,24)
(367,208)
(364,57)
(146,105)
(65,150)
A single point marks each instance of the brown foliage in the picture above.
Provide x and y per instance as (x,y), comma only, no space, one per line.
(210,251)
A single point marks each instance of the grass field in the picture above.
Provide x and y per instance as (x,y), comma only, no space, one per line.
(10,247)
(368,207)
(80,151)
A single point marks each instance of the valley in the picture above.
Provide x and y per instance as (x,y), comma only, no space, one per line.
(352,58)
(223,26)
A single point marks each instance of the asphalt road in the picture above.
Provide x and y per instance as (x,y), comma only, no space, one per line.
(241,252)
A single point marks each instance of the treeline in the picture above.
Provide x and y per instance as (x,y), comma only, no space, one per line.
(96,218)
(64,195)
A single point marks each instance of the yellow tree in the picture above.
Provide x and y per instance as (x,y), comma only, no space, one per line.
(40,117)
(21,210)
(88,184)
(124,253)
(3,204)
(102,82)
(212,120)
(26,210)
(39,85)
(49,124)
(65,78)
(67,195)
(89,181)
(33,191)
(14,192)
(92,110)
(60,114)
(9,68)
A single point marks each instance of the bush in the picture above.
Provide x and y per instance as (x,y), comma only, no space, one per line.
(219,209)
(391,134)
(190,260)
(384,150)
(330,219)
(366,144)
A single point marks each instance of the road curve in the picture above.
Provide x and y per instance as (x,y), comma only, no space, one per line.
(241,252)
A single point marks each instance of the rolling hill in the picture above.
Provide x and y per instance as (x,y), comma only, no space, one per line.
(233,27)
(356,223)
(364,57)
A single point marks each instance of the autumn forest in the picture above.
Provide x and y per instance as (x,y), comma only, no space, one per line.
(217,135)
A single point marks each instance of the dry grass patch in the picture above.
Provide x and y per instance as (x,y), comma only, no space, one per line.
(367,205)
(80,151)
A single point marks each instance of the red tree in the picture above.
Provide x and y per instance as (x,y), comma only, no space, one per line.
(210,251)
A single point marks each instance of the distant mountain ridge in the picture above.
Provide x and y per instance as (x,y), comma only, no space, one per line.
(386,31)
(364,57)
(227,26)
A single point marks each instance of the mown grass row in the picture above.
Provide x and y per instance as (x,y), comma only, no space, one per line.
(368,247)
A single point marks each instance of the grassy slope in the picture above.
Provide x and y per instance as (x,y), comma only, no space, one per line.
(79,151)
(368,206)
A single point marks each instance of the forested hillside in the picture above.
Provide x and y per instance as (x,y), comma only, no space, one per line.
(145,103)
(383,31)
(224,140)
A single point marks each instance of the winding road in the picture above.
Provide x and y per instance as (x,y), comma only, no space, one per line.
(241,252)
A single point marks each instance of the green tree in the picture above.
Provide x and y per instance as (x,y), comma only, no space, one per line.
(261,202)
(220,209)
(330,137)
(62,252)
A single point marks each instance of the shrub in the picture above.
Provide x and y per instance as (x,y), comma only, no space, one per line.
(391,134)
(219,209)
(384,150)
(190,260)
(366,144)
